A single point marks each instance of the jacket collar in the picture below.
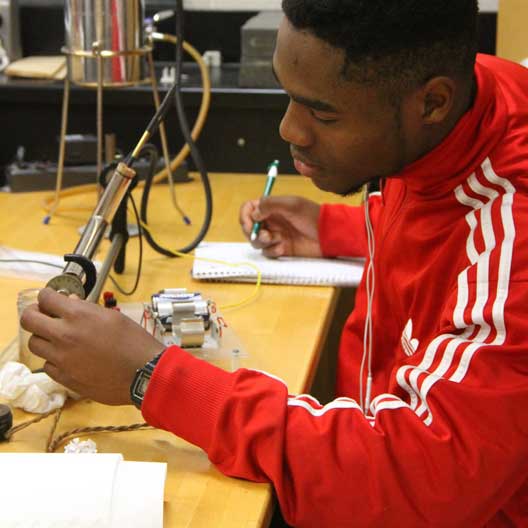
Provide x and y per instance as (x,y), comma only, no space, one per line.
(467,145)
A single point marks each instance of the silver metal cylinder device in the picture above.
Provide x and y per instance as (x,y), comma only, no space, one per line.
(185,315)
(110,31)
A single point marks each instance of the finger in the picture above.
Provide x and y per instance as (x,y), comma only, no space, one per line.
(53,303)
(275,250)
(36,322)
(272,244)
(32,308)
(42,348)
(266,238)
(246,216)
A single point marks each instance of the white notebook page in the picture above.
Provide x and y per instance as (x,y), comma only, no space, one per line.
(285,270)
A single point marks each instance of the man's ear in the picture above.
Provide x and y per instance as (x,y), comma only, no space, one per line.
(437,98)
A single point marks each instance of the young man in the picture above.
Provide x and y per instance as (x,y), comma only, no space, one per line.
(431,426)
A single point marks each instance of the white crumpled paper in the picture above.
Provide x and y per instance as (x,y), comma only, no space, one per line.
(35,393)
(78,446)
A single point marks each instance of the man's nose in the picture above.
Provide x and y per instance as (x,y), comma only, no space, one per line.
(294,128)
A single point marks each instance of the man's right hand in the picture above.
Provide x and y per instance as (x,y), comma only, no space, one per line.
(288,225)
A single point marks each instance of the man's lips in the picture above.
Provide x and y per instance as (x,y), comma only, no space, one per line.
(305,168)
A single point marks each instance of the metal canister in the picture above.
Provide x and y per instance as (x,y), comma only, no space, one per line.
(110,31)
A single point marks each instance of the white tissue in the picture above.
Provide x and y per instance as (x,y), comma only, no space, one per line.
(78,446)
(35,393)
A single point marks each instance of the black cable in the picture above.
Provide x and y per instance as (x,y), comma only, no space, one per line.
(140,259)
(152,152)
(164,107)
(184,126)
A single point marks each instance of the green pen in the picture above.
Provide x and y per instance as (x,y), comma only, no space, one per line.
(273,171)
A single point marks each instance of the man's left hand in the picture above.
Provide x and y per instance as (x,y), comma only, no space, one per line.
(92,350)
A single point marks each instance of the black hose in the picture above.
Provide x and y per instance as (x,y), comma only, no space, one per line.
(195,154)
(140,257)
(152,152)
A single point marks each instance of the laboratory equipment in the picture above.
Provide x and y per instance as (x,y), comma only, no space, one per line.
(79,276)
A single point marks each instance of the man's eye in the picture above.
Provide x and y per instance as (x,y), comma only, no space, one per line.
(323,118)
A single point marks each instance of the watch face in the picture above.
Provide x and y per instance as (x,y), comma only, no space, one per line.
(141,381)
(142,385)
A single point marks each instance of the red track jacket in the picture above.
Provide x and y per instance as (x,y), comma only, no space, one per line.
(445,442)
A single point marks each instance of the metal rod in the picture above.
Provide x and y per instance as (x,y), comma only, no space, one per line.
(116,246)
(62,145)
(102,216)
(99,112)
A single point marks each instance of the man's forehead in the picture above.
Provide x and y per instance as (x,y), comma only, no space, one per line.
(310,69)
(301,50)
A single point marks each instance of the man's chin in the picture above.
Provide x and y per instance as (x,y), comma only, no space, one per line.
(321,184)
(353,190)
(329,185)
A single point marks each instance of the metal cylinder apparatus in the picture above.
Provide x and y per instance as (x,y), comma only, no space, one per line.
(105,42)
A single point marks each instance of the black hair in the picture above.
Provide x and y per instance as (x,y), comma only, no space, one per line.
(397,43)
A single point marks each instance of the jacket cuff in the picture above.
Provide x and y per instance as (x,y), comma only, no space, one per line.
(342,231)
(181,389)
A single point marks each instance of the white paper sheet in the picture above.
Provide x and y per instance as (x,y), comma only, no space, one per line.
(81,491)
(138,495)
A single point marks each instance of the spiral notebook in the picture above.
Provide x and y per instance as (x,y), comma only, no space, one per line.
(284,270)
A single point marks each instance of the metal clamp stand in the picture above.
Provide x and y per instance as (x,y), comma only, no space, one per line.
(77,60)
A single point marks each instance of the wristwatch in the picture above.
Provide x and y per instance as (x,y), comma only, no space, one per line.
(141,381)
